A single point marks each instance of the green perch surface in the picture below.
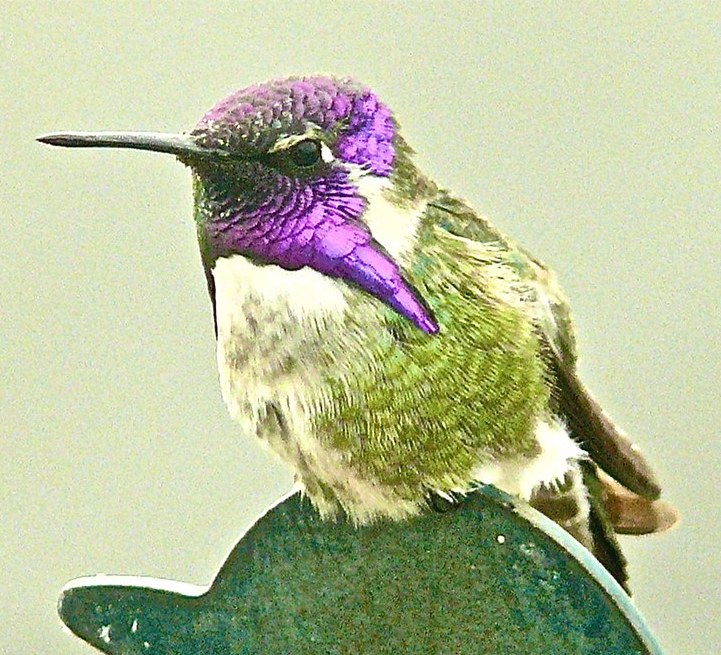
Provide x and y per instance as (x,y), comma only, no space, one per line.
(491,576)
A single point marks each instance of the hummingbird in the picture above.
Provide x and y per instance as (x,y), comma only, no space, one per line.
(384,339)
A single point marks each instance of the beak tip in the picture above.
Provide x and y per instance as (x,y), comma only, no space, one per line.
(57,139)
(47,138)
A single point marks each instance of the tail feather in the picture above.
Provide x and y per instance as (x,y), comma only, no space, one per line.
(606,548)
(577,505)
(630,513)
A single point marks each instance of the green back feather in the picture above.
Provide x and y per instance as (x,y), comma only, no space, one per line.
(418,412)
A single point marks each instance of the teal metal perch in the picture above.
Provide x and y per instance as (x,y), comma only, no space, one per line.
(492,576)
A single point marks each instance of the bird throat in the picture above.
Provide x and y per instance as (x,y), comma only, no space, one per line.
(360,239)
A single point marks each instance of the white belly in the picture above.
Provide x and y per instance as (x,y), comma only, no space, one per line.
(268,321)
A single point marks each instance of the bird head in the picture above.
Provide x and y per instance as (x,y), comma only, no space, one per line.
(301,172)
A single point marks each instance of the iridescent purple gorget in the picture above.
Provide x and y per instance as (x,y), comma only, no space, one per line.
(255,204)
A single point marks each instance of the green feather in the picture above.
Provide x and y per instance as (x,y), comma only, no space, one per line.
(418,412)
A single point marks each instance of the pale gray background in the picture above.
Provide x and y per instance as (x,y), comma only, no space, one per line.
(589,132)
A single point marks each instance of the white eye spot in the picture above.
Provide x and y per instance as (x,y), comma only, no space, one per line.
(356,171)
(325,153)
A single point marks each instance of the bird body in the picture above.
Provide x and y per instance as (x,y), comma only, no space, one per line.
(381,337)
(354,397)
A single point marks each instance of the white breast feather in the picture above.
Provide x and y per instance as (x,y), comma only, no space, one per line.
(261,313)
(520,476)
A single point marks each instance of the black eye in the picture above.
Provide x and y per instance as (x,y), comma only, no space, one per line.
(305,153)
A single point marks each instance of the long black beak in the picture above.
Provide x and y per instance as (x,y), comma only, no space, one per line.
(182,145)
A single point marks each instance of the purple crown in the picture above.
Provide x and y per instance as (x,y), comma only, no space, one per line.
(257,115)
(315,220)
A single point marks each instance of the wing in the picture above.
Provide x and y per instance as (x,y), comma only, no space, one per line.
(210,280)
(208,260)
(606,444)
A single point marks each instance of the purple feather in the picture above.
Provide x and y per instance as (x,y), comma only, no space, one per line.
(307,221)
